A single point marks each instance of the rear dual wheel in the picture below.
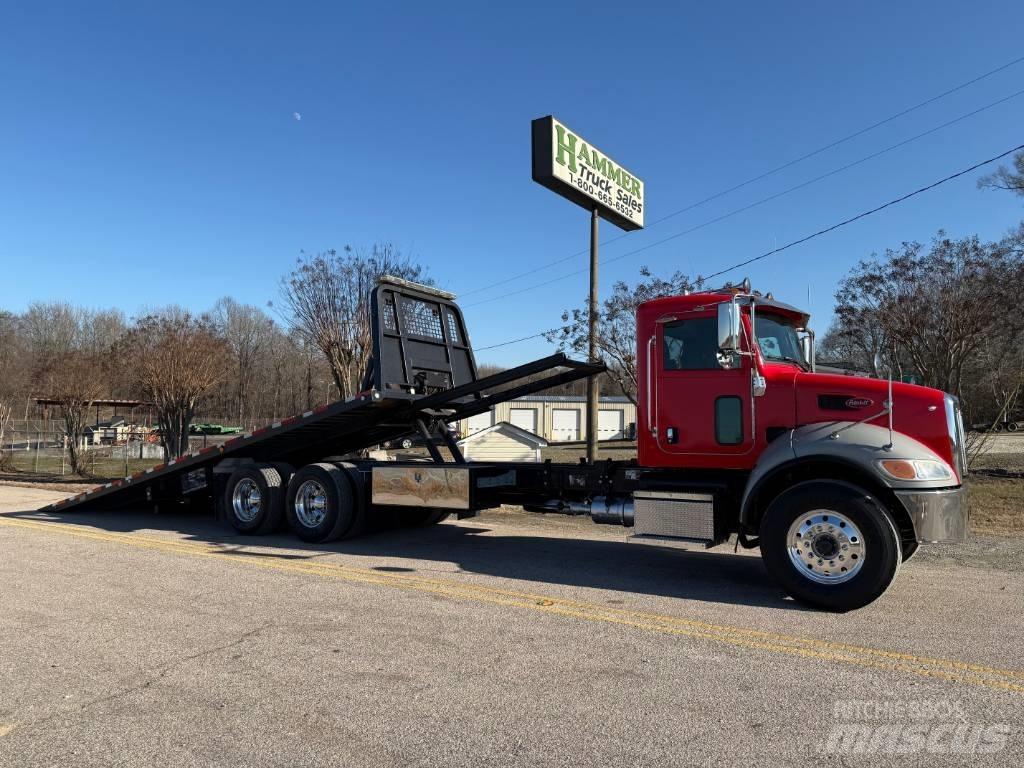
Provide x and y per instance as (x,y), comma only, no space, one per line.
(254,497)
(322,503)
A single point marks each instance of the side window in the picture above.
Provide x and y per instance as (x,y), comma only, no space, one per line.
(690,345)
(728,420)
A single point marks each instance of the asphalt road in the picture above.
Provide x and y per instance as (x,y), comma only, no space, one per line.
(131,639)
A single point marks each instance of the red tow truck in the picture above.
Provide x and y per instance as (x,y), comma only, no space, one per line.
(838,479)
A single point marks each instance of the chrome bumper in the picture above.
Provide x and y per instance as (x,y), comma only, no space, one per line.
(939,516)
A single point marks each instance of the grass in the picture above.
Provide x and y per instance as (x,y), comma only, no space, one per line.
(51,468)
(997,505)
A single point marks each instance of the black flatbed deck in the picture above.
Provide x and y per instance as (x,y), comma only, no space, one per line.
(421,372)
(345,427)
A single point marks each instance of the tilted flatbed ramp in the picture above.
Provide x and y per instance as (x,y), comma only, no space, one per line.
(422,371)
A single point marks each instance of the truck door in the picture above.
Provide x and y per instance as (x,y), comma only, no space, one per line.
(701,408)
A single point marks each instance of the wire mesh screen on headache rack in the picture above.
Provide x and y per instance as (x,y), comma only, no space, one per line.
(420,318)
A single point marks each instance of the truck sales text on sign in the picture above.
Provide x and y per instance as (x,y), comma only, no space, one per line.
(566,163)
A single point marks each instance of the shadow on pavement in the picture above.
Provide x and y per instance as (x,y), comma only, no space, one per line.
(720,577)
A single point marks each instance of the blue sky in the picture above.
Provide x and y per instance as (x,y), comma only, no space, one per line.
(149,153)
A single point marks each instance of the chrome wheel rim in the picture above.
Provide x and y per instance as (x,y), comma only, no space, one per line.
(826,547)
(311,503)
(247,500)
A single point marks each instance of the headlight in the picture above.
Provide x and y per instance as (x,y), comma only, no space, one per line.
(915,469)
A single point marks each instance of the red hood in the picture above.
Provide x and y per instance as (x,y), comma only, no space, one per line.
(919,412)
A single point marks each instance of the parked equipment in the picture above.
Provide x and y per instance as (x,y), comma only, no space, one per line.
(837,479)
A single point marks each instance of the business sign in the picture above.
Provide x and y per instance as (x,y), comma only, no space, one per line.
(566,163)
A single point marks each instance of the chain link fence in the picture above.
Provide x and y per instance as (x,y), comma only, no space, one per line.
(41,450)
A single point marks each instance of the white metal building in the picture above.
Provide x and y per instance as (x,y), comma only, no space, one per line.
(558,418)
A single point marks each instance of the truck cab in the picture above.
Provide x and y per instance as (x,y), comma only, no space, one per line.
(728,388)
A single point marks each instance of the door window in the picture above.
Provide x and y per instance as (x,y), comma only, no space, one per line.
(691,345)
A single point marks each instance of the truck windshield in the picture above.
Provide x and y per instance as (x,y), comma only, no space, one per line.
(778,340)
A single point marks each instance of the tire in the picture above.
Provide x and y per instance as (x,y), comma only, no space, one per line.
(864,546)
(320,505)
(407,443)
(359,516)
(254,499)
(909,549)
(1012,426)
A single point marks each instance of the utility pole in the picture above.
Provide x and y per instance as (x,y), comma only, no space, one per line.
(575,169)
(593,386)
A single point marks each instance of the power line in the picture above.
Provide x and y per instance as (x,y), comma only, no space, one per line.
(760,202)
(859,216)
(813,235)
(760,176)
(514,341)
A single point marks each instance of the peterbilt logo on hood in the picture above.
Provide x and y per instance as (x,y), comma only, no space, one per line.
(859,402)
(843,402)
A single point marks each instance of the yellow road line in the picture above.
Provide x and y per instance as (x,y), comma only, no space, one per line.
(945,669)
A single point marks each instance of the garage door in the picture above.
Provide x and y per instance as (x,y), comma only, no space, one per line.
(480,421)
(524,418)
(609,424)
(565,424)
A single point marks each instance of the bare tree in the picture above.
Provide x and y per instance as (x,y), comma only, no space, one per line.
(616,339)
(858,332)
(178,358)
(1006,178)
(247,332)
(6,412)
(75,382)
(325,299)
(940,311)
(13,371)
(68,351)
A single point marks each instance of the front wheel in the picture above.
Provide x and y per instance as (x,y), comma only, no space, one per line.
(830,544)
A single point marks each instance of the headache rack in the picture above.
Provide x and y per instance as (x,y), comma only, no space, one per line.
(422,375)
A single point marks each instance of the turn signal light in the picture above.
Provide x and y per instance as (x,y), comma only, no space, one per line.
(915,469)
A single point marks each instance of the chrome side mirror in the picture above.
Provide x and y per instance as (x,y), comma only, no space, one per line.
(728,327)
(807,347)
(728,334)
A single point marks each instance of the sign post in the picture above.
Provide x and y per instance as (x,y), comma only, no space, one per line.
(575,169)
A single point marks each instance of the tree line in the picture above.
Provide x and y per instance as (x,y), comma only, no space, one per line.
(235,362)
